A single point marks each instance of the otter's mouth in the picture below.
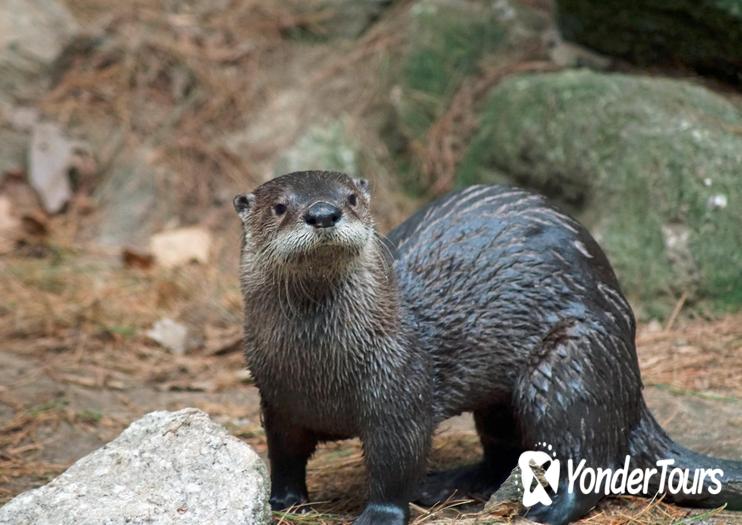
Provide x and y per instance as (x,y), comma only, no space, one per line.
(330,246)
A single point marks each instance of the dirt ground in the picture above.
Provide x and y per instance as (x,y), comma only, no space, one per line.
(77,369)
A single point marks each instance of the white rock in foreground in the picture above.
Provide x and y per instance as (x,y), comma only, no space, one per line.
(167,467)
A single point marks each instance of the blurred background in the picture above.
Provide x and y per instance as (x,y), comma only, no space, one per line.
(126,128)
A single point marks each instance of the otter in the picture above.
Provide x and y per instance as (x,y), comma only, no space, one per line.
(489,300)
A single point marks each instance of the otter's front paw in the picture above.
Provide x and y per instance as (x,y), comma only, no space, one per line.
(383,514)
(286,499)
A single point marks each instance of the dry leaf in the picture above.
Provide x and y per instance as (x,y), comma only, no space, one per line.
(175,247)
(9,226)
(135,259)
(35,223)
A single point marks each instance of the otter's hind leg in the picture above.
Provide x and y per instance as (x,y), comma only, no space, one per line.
(501,448)
(575,400)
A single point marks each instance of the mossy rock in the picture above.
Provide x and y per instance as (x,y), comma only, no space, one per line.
(652,166)
(326,146)
(705,35)
(448,41)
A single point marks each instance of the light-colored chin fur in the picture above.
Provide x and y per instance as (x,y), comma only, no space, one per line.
(304,249)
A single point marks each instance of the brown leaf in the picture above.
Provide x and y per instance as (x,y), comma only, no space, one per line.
(10,226)
(173,248)
(35,223)
(136,259)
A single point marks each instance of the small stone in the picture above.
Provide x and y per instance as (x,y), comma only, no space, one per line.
(717,201)
(170,334)
(50,157)
(509,492)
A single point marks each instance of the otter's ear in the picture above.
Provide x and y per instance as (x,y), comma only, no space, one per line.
(364,187)
(243,204)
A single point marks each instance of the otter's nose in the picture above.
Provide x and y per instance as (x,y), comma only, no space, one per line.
(322,215)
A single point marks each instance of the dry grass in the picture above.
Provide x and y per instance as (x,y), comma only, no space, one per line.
(702,356)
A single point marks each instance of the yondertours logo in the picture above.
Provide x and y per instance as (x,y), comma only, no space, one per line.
(540,470)
(533,463)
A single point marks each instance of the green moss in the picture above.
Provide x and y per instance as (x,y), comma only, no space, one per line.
(89,416)
(122,330)
(651,166)
(447,42)
(52,405)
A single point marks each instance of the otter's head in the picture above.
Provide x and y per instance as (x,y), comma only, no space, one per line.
(310,221)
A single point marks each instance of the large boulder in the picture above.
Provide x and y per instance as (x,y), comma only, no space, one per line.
(703,34)
(32,34)
(652,166)
(167,467)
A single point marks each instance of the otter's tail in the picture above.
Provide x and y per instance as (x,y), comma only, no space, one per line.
(650,443)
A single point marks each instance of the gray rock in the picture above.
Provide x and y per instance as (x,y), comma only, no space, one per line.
(32,34)
(13,146)
(16,123)
(167,467)
(326,147)
(134,199)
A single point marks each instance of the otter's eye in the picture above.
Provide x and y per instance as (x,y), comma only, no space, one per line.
(279,209)
(352,199)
